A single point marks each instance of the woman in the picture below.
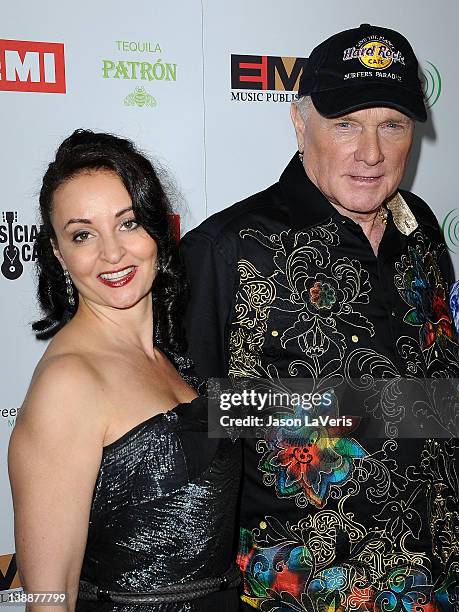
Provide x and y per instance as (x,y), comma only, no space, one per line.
(117,489)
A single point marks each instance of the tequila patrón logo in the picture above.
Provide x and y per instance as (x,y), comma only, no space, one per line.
(140,97)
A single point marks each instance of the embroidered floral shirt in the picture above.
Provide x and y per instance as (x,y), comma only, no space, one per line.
(283,286)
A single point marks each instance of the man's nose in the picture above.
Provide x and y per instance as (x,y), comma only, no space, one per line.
(112,249)
(369,148)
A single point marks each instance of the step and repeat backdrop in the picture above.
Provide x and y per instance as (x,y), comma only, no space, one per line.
(204,88)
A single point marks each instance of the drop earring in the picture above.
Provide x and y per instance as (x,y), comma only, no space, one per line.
(300,155)
(69,288)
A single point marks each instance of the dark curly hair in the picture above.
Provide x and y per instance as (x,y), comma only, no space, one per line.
(84,151)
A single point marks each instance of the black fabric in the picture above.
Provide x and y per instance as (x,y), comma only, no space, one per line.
(363,67)
(163,511)
(283,286)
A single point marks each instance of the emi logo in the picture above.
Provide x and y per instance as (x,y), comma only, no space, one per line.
(32,66)
(266,72)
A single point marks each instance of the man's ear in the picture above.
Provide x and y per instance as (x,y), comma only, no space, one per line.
(57,252)
(298,124)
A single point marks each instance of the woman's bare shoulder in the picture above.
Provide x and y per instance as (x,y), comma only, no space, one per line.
(65,389)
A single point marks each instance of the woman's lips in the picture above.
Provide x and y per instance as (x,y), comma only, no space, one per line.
(118,278)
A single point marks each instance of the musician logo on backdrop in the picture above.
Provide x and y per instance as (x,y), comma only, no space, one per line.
(17,245)
(140,61)
(32,66)
(265,78)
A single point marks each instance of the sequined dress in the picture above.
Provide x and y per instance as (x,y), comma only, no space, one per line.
(163,512)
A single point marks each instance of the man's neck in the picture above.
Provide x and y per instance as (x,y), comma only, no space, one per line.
(372,224)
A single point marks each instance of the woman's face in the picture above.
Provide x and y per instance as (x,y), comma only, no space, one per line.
(110,258)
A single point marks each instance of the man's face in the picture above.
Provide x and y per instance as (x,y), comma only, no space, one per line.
(357,160)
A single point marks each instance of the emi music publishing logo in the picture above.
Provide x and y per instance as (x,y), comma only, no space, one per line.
(29,66)
(265,78)
(258,78)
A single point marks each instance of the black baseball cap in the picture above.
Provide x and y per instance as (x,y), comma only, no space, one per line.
(361,68)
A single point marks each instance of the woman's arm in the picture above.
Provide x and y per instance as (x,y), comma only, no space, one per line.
(54,457)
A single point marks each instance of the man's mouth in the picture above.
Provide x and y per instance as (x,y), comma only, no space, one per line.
(365,179)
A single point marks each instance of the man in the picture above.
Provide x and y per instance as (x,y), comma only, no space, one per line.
(334,272)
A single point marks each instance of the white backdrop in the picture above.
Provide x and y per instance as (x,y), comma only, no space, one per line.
(187,117)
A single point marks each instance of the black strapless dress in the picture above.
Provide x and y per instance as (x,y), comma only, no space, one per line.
(163,513)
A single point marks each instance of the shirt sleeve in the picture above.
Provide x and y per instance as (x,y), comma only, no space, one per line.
(211,279)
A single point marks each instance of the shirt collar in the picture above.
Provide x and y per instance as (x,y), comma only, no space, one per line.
(306,204)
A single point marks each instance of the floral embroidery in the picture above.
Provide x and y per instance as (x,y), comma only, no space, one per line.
(439,467)
(252,309)
(321,301)
(316,302)
(282,571)
(335,558)
(285,566)
(454,304)
(407,590)
(421,287)
(305,463)
(322,295)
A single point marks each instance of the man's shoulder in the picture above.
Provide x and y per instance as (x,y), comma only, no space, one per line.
(420,209)
(228,222)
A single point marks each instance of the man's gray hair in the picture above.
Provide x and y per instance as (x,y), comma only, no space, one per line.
(304,105)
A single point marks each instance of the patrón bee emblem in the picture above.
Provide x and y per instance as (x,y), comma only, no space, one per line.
(140,97)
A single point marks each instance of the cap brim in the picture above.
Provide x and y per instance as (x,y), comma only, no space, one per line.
(337,102)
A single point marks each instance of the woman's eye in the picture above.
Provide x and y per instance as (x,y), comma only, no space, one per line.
(80,236)
(130,224)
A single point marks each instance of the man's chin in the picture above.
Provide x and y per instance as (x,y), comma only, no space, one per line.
(360,206)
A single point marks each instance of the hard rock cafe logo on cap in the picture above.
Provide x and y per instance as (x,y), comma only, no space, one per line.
(374,52)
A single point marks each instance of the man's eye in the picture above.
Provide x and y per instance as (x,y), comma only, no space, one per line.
(80,236)
(343,124)
(129,224)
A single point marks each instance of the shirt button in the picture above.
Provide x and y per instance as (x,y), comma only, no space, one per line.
(355,338)
(274,333)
